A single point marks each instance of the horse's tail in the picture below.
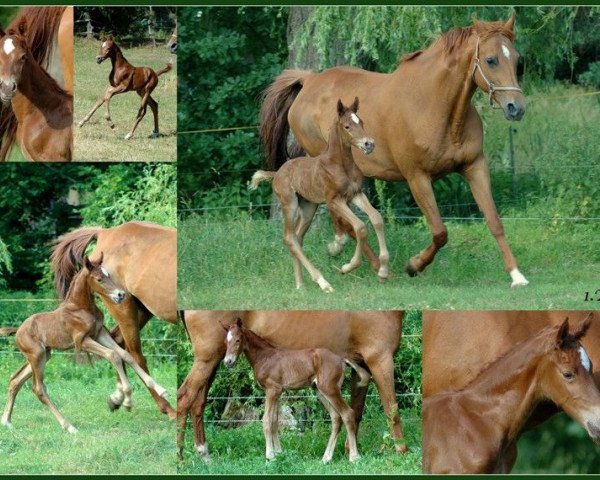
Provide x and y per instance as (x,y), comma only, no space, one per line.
(363,373)
(42,24)
(274,127)
(67,256)
(167,68)
(6,331)
(260,176)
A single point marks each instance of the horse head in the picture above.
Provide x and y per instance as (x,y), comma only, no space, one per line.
(13,55)
(352,127)
(494,65)
(569,381)
(234,342)
(100,281)
(107,46)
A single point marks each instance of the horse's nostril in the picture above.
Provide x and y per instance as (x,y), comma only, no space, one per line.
(14,87)
(511,108)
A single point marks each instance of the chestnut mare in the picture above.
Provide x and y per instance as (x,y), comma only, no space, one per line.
(372,338)
(302,183)
(142,257)
(452,362)
(76,323)
(421,117)
(42,111)
(124,77)
(277,369)
(466,431)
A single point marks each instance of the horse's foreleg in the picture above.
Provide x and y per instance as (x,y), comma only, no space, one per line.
(336,425)
(382,369)
(271,403)
(422,191)
(339,207)
(17,380)
(362,202)
(478,176)
(110,91)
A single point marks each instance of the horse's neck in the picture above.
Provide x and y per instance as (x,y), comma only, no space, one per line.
(338,151)
(512,381)
(118,59)
(256,348)
(35,89)
(447,82)
(81,295)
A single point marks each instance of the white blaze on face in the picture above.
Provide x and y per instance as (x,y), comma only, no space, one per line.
(355,118)
(104,45)
(506,51)
(8,46)
(585,360)
(105,272)
(229,336)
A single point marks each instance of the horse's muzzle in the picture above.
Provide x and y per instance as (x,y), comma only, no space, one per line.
(99,60)
(117,296)
(229,361)
(367,145)
(514,111)
(173,47)
(594,432)
(7,91)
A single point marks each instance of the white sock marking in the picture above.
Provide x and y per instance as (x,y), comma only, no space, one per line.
(9,46)
(518,279)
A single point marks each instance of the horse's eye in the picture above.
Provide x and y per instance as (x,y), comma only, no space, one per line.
(347,127)
(492,61)
(23,57)
(568,375)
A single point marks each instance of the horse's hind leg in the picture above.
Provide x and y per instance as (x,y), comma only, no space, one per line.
(141,112)
(306,213)
(17,380)
(342,229)
(37,360)
(154,107)
(422,191)
(336,426)
(339,207)
(362,202)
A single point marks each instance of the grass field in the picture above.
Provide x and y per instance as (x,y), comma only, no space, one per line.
(140,441)
(96,141)
(243,264)
(242,449)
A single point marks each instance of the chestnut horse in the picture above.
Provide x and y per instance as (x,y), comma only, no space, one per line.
(372,338)
(172,42)
(467,430)
(451,362)
(76,323)
(277,369)
(124,77)
(37,57)
(421,117)
(142,257)
(303,183)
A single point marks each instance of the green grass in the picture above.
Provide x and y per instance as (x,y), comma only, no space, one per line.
(243,264)
(96,141)
(242,449)
(117,443)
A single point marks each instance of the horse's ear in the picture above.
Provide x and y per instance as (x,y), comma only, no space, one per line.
(354,106)
(22,26)
(340,108)
(510,24)
(110,37)
(102,37)
(239,322)
(563,333)
(99,262)
(2,32)
(584,327)
(87,263)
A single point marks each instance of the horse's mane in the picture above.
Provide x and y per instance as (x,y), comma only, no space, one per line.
(258,338)
(456,37)
(42,22)
(74,282)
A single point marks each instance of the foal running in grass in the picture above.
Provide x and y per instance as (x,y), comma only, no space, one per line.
(124,77)
(467,431)
(76,323)
(277,369)
(301,184)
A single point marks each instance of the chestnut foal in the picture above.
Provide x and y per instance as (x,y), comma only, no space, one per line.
(76,323)
(301,184)
(124,77)
(277,369)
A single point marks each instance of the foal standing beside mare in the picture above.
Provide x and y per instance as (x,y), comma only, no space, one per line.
(467,431)
(76,323)
(277,369)
(43,110)
(301,184)
(124,77)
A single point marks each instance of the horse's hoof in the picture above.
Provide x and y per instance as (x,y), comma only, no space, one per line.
(348,267)
(153,135)
(518,279)
(354,458)
(410,270)
(202,450)
(127,407)
(128,136)
(112,406)
(162,393)
(81,124)
(72,429)
(402,448)
(7,424)
(326,460)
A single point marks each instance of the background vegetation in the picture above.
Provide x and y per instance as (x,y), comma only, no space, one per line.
(241,450)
